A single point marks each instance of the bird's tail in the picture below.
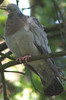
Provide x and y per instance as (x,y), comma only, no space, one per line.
(55,88)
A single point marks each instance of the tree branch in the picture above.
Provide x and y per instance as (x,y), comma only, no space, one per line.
(3,46)
(34,58)
(15,72)
(4,86)
(53,28)
(7,55)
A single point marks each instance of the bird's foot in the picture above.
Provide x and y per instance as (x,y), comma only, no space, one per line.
(24,58)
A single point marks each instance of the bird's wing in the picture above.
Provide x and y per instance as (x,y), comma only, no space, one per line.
(41,41)
(40,37)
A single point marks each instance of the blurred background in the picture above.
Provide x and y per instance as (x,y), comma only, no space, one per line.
(52,15)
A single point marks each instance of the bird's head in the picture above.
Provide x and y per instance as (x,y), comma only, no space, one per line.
(11,9)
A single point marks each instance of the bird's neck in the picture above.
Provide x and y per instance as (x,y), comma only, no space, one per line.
(10,15)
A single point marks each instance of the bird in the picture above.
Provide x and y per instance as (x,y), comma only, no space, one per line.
(26,37)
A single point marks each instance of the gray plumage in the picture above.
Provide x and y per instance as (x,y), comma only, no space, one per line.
(24,35)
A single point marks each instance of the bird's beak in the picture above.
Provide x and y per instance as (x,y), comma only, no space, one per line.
(3,8)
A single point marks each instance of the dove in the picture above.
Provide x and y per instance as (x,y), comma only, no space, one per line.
(25,37)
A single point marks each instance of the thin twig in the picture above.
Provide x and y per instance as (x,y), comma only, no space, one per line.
(56,5)
(7,56)
(4,56)
(17,1)
(15,72)
(29,7)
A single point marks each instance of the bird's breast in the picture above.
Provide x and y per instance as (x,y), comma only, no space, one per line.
(21,43)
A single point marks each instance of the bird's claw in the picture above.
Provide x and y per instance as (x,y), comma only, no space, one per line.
(24,58)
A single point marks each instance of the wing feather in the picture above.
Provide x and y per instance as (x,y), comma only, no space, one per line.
(40,37)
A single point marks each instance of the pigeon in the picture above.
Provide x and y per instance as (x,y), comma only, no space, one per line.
(25,37)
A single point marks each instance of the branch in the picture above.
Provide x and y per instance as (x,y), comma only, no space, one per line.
(4,86)
(17,1)
(58,9)
(29,7)
(15,72)
(53,28)
(34,58)
(7,55)
(3,46)
(39,3)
